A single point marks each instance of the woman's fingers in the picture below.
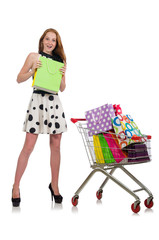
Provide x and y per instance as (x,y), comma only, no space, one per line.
(38,64)
(63,69)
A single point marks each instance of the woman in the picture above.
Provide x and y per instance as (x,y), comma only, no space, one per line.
(44,115)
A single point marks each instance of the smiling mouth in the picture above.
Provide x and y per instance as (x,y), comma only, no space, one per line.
(49,46)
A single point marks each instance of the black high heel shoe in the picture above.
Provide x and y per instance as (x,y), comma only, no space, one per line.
(58,198)
(16,201)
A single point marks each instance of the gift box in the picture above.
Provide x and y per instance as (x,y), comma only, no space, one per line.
(137,153)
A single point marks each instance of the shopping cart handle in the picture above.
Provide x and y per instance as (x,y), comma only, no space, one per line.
(74,120)
(135,138)
(138,138)
(149,137)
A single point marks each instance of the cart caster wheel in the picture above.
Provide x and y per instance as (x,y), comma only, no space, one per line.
(75,200)
(150,205)
(135,210)
(99,194)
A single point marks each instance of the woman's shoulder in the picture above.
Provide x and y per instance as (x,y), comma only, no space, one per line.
(33,55)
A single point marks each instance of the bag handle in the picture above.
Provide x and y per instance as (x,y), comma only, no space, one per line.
(51,72)
(93,116)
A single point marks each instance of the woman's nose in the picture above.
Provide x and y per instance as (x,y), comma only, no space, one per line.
(50,42)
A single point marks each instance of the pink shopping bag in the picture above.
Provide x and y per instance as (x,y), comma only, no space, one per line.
(116,151)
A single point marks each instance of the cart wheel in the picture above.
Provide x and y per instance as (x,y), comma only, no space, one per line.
(99,194)
(150,205)
(75,201)
(137,209)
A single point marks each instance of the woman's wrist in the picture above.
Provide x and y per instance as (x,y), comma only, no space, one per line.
(32,72)
(63,84)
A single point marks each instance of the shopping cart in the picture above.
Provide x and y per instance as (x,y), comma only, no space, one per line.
(140,153)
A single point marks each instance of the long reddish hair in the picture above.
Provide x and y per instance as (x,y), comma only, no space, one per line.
(59,47)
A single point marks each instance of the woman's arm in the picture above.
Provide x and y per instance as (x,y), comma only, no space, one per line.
(29,67)
(63,82)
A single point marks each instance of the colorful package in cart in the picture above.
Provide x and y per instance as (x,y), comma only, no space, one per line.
(99,119)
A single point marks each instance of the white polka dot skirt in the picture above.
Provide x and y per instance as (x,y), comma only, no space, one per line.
(45,115)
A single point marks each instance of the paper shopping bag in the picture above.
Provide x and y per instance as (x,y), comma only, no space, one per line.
(108,156)
(99,119)
(116,151)
(130,128)
(114,136)
(48,76)
(97,150)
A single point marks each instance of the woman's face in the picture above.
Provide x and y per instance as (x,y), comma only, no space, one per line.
(49,42)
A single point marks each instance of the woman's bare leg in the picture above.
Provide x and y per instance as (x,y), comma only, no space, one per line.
(28,147)
(55,160)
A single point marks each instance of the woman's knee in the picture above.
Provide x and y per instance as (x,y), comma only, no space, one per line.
(29,144)
(55,141)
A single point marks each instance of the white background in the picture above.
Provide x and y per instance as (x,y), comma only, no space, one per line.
(112,50)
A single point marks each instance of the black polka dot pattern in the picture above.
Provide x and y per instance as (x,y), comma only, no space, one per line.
(32,130)
(41,106)
(45,115)
(50,125)
(30,118)
(51,98)
(45,122)
(57,125)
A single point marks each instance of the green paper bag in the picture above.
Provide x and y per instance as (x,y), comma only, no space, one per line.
(48,76)
(108,156)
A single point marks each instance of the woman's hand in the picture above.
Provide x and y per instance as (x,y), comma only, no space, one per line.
(37,64)
(63,70)
(63,82)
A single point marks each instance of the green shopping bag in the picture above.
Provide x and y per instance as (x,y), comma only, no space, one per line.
(108,156)
(48,76)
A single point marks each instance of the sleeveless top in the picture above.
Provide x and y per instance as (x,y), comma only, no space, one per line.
(54,56)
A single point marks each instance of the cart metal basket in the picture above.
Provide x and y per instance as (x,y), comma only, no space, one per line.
(101,160)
